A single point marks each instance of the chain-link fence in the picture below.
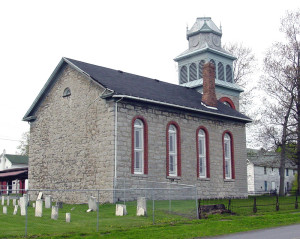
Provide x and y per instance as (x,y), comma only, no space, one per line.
(48,212)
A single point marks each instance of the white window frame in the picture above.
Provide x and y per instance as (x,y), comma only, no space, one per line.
(173,153)
(227,156)
(139,129)
(202,155)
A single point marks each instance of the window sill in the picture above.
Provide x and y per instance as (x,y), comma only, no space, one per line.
(173,178)
(203,179)
(229,180)
(140,175)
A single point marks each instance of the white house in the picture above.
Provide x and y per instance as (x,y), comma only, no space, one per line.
(263,172)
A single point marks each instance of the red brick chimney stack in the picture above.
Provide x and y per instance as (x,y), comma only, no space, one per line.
(209,97)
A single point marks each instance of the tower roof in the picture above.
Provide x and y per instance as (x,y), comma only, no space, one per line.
(203,24)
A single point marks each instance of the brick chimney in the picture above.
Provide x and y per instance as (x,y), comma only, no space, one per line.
(209,97)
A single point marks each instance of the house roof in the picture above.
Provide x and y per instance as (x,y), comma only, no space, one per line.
(268,159)
(135,87)
(17,159)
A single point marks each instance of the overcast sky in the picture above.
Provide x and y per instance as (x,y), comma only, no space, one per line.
(140,37)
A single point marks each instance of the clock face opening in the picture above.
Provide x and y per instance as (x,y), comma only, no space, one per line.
(217,41)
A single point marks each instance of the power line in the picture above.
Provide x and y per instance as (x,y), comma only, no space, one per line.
(10,139)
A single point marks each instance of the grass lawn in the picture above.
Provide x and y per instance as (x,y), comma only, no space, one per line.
(181,222)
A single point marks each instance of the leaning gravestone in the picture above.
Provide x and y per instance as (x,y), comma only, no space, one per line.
(4,210)
(7,199)
(39,208)
(3,200)
(54,213)
(48,201)
(40,196)
(23,205)
(68,217)
(121,210)
(141,209)
(92,204)
(16,210)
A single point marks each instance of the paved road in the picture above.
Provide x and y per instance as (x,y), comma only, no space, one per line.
(286,232)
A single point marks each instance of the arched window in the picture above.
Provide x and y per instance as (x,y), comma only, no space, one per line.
(220,71)
(139,164)
(202,153)
(227,101)
(193,72)
(173,150)
(183,75)
(214,63)
(228,156)
(67,92)
(201,64)
(228,74)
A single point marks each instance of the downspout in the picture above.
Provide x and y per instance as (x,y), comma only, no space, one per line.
(116,144)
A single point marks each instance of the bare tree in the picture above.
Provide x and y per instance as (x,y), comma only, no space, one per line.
(23,147)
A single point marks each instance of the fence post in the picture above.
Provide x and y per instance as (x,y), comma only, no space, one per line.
(296,203)
(26,212)
(199,208)
(153,219)
(254,205)
(98,204)
(124,192)
(229,205)
(277,203)
(169,197)
(196,199)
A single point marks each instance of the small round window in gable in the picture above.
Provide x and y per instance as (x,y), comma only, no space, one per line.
(67,92)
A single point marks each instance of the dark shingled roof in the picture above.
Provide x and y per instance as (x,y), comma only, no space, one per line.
(17,159)
(123,83)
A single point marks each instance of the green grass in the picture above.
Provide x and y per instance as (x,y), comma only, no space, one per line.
(181,222)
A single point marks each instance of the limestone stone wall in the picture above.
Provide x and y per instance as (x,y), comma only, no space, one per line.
(157,118)
(72,139)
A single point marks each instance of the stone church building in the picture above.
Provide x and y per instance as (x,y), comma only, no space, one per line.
(91,126)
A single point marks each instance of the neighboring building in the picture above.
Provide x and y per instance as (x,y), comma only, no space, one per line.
(13,173)
(263,172)
(94,127)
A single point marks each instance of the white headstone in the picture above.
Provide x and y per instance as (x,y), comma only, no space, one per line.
(39,208)
(121,210)
(8,199)
(3,200)
(141,209)
(23,205)
(68,217)
(4,210)
(54,213)
(92,203)
(33,204)
(16,210)
(48,201)
(40,196)
(14,202)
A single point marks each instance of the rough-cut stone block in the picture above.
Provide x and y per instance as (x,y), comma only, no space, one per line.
(68,217)
(141,209)
(39,208)
(23,205)
(48,201)
(121,210)
(3,200)
(93,203)
(4,210)
(54,213)
(15,210)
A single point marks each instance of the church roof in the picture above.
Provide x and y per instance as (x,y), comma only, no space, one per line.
(135,87)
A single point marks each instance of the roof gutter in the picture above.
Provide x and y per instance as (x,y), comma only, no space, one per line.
(180,106)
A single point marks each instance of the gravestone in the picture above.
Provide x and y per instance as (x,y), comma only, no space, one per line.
(40,196)
(23,205)
(15,210)
(141,209)
(59,204)
(54,213)
(33,204)
(14,202)
(48,201)
(121,210)
(68,217)
(92,204)
(3,200)
(39,208)
(4,210)
(7,200)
